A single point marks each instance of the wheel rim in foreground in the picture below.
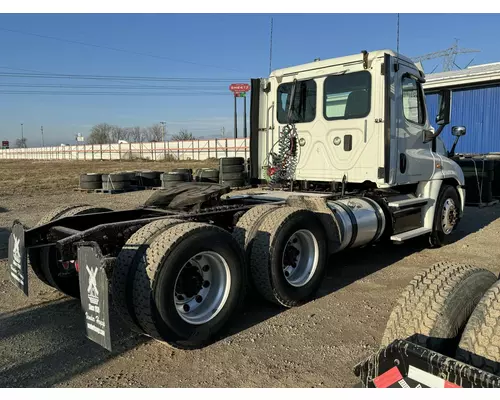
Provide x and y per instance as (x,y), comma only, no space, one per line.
(202,287)
(300,258)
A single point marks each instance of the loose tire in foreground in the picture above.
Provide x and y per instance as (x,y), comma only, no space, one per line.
(288,256)
(45,260)
(126,265)
(189,285)
(434,308)
(480,343)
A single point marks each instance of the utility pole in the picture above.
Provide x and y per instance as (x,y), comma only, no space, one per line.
(41,130)
(22,135)
(223,132)
(163,123)
(245,115)
(235,119)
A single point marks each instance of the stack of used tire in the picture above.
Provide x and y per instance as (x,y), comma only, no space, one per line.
(132,177)
(91,181)
(232,171)
(172,177)
(479,176)
(148,178)
(207,175)
(188,171)
(116,181)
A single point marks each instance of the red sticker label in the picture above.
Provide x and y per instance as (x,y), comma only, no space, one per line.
(388,378)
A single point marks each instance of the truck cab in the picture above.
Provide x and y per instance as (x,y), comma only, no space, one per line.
(358,121)
(359,118)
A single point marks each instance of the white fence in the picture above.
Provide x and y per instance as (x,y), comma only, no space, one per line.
(157,151)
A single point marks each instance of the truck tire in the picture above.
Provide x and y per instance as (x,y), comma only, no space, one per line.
(244,232)
(34,255)
(233,183)
(126,264)
(91,185)
(209,173)
(175,177)
(57,213)
(433,309)
(480,342)
(44,261)
(91,177)
(289,232)
(227,169)
(115,185)
(446,216)
(232,176)
(246,227)
(117,177)
(188,171)
(189,261)
(231,161)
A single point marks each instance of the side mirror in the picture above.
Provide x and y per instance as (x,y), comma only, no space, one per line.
(458,131)
(443,117)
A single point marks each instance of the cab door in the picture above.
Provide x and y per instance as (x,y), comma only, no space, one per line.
(415,159)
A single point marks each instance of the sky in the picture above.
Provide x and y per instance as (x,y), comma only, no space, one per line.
(220,48)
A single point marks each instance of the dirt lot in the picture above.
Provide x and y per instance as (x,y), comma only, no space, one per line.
(42,340)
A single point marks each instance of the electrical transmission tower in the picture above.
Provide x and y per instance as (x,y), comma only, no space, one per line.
(448,56)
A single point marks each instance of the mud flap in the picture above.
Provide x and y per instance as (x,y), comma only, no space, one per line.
(94,294)
(18,260)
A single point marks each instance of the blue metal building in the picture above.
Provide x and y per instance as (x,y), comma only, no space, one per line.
(475,104)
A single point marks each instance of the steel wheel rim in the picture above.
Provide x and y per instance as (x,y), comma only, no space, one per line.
(449,216)
(300,258)
(202,287)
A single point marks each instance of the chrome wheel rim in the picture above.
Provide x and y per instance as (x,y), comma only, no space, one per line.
(450,215)
(202,287)
(300,258)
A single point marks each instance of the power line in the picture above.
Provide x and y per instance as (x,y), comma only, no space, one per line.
(116,49)
(112,77)
(117,87)
(130,84)
(68,93)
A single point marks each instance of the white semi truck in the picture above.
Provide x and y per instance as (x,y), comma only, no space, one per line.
(342,155)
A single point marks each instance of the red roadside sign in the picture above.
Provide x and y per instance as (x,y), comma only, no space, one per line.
(239,87)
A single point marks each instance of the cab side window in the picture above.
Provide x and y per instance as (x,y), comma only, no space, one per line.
(413,102)
(304,102)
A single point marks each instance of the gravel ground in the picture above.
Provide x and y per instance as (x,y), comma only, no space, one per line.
(43,344)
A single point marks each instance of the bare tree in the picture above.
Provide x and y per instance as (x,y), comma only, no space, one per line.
(155,133)
(137,134)
(183,135)
(118,133)
(100,134)
(21,143)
